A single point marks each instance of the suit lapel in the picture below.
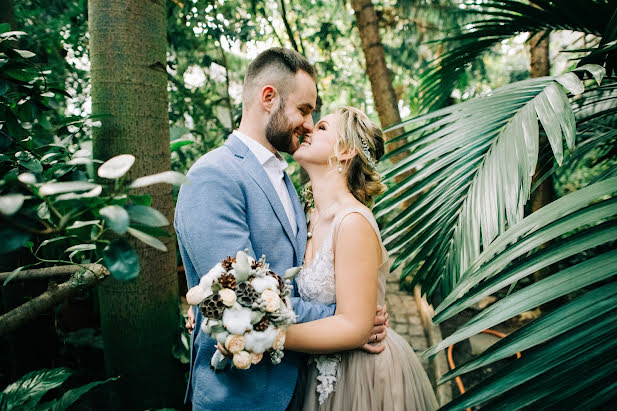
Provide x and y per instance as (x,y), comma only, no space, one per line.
(258,174)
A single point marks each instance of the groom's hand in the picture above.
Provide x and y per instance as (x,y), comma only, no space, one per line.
(374,345)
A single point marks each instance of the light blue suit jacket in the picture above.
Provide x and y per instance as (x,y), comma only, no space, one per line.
(231,205)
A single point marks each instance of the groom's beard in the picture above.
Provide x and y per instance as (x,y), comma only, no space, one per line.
(279,132)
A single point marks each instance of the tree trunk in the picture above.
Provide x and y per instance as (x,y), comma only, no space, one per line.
(386,102)
(539,66)
(139,319)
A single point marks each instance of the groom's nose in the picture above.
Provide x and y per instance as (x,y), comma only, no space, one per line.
(308,124)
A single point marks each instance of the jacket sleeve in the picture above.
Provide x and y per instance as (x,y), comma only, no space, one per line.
(211,224)
(307,311)
(211,219)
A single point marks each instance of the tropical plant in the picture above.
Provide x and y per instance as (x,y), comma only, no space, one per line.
(49,189)
(467,235)
(493,21)
(27,392)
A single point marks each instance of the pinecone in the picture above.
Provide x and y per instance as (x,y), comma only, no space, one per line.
(213,307)
(279,279)
(227,280)
(226,263)
(262,325)
(246,294)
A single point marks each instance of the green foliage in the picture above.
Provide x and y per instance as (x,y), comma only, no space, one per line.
(27,392)
(498,20)
(52,192)
(467,236)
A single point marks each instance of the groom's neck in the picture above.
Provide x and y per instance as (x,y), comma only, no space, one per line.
(255,131)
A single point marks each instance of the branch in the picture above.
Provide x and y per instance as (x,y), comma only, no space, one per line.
(48,272)
(19,316)
(288,27)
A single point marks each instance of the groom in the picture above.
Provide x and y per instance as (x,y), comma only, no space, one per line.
(241,198)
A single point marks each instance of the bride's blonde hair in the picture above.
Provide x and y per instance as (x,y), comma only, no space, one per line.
(357,133)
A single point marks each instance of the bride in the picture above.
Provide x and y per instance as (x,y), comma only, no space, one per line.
(346,264)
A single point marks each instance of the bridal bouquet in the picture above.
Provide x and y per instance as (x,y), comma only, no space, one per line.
(247,309)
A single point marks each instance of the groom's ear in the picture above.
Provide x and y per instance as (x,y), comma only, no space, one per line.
(269,98)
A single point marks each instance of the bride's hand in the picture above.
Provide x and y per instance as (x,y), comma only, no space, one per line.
(190,322)
(374,345)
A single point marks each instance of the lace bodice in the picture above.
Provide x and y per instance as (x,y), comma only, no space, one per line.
(316,282)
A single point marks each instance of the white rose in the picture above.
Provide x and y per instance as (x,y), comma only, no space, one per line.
(260,284)
(256,358)
(272,300)
(279,341)
(242,360)
(234,343)
(237,320)
(228,296)
(196,295)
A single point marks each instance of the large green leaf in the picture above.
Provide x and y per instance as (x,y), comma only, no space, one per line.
(168,177)
(562,283)
(26,392)
(11,203)
(121,260)
(538,228)
(116,217)
(568,353)
(147,215)
(65,187)
(69,397)
(12,239)
(116,167)
(586,308)
(474,163)
(147,239)
(544,257)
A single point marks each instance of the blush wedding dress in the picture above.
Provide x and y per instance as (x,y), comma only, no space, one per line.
(356,380)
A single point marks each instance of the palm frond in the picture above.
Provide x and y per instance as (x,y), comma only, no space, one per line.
(502,19)
(474,164)
(577,338)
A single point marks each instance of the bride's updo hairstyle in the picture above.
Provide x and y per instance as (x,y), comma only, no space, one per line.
(357,133)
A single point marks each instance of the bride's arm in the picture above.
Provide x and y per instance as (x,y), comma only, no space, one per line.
(357,260)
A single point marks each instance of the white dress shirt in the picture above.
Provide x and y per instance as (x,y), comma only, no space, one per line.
(274,165)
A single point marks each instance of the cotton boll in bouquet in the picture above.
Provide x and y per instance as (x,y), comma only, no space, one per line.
(247,309)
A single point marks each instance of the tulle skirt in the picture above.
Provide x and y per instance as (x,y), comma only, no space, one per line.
(391,380)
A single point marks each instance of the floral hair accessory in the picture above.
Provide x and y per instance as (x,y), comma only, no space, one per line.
(367,153)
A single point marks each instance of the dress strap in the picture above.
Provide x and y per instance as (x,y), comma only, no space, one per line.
(368,215)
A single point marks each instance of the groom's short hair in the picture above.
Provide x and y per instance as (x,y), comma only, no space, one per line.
(277,66)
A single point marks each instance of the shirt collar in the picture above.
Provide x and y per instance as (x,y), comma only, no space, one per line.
(265,157)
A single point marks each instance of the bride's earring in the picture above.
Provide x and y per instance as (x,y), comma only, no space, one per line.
(339,168)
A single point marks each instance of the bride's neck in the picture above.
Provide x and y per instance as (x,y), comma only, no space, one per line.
(329,190)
